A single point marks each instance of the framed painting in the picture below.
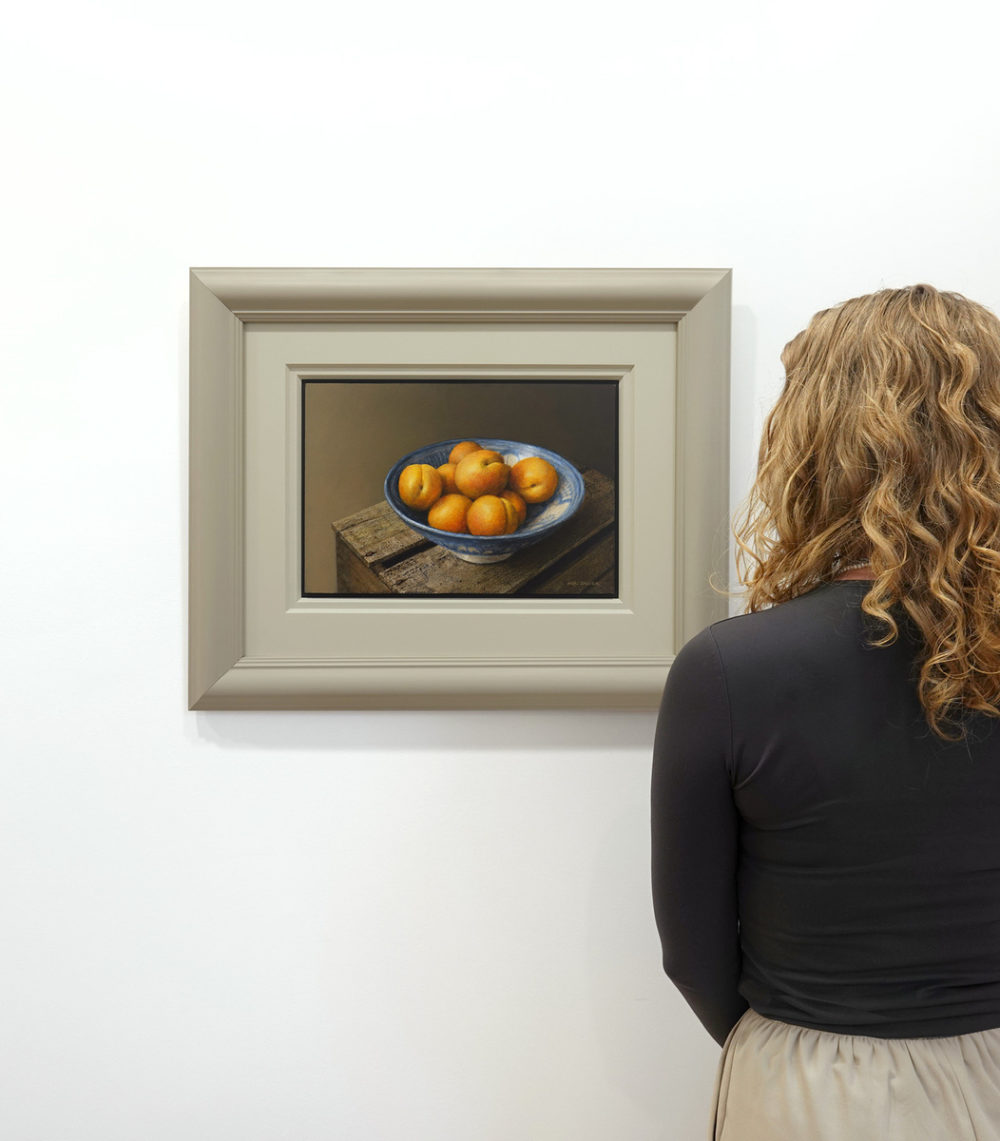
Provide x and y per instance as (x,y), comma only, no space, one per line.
(453,488)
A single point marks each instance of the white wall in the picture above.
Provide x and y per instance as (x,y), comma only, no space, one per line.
(304,927)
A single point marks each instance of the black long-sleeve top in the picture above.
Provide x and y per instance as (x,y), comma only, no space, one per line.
(818,853)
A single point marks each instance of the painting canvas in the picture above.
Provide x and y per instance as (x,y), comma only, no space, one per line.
(364,534)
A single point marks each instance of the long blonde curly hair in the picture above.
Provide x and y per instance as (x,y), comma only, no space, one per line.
(884,446)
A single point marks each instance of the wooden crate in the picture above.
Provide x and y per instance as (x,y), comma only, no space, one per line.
(378,554)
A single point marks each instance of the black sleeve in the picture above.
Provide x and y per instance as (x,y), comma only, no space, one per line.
(695,834)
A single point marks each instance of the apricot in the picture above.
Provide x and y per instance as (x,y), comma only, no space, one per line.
(491,515)
(460,451)
(447,473)
(449,512)
(419,485)
(481,473)
(534,478)
(520,506)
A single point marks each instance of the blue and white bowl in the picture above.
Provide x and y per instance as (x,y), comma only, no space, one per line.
(542,518)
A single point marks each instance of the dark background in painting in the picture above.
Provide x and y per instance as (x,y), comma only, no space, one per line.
(354,431)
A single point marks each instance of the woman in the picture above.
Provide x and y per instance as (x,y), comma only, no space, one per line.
(826,776)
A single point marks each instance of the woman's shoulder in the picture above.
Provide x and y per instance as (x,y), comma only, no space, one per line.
(821,621)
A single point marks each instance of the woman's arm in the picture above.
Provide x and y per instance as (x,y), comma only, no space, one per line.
(695,833)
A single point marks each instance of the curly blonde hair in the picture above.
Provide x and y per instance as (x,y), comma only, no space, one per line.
(884,446)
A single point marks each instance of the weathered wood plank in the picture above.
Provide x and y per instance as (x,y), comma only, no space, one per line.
(592,573)
(354,576)
(606,587)
(377,533)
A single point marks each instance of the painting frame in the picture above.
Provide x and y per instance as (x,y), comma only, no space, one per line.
(253,644)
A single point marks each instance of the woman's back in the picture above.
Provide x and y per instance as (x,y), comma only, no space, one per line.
(826,773)
(869,862)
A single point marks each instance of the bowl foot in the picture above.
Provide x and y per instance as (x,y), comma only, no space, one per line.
(482,558)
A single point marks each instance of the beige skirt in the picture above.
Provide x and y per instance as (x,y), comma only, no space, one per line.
(778,1082)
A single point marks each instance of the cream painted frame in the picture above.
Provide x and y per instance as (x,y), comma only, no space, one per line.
(255,643)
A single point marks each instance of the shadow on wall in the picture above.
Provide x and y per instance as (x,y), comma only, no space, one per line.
(466,731)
